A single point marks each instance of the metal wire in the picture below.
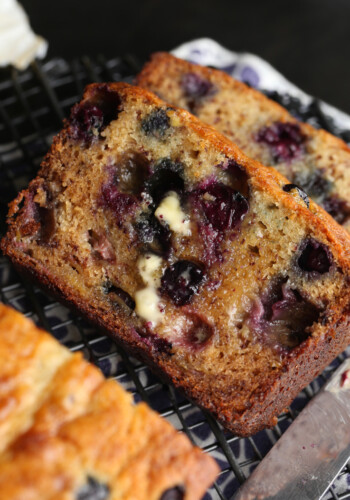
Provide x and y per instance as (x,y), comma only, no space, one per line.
(32,106)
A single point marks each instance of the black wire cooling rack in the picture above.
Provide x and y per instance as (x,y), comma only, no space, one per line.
(32,106)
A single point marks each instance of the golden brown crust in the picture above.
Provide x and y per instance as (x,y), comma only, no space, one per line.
(77,425)
(260,409)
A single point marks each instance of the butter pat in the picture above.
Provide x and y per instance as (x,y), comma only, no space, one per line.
(170,211)
(150,267)
(147,300)
(147,304)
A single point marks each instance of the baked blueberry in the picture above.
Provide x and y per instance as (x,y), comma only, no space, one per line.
(286,140)
(156,123)
(89,119)
(314,257)
(167,176)
(281,317)
(222,206)
(117,295)
(195,86)
(93,490)
(195,89)
(237,176)
(130,172)
(158,344)
(120,203)
(181,281)
(86,122)
(290,187)
(155,235)
(218,208)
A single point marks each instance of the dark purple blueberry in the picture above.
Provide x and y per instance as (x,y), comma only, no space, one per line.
(285,140)
(86,122)
(121,192)
(88,119)
(158,344)
(223,207)
(195,86)
(281,317)
(162,346)
(289,187)
(167,176)
(195,89)
(314,184)
(116,294)
(108,100)
(121,203)
(93,490)
(337,208)
(156,123)
(175,493)
(218,208)
(314,257)
(238,178)
(130,173)
(181,281)
(155,235)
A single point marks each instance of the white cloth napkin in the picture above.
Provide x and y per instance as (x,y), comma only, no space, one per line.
(252,69)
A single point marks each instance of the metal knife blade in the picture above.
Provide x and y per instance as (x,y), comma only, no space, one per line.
(311,453)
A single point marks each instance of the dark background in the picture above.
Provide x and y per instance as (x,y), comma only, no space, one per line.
(307,40)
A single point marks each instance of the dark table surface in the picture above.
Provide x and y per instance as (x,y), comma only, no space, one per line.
(307,40)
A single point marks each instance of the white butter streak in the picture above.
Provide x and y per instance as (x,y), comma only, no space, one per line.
(170,211)
(147,304)
(147,300)
(18,43)
(149,267)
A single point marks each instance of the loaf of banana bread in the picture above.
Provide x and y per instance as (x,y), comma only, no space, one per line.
(314,160)
(214,269)
(68,433)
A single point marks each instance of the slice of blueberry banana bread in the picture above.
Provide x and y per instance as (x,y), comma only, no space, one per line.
(68,433)
(314,160)
(205,263)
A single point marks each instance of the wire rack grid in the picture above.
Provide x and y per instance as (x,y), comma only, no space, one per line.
(33,104)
